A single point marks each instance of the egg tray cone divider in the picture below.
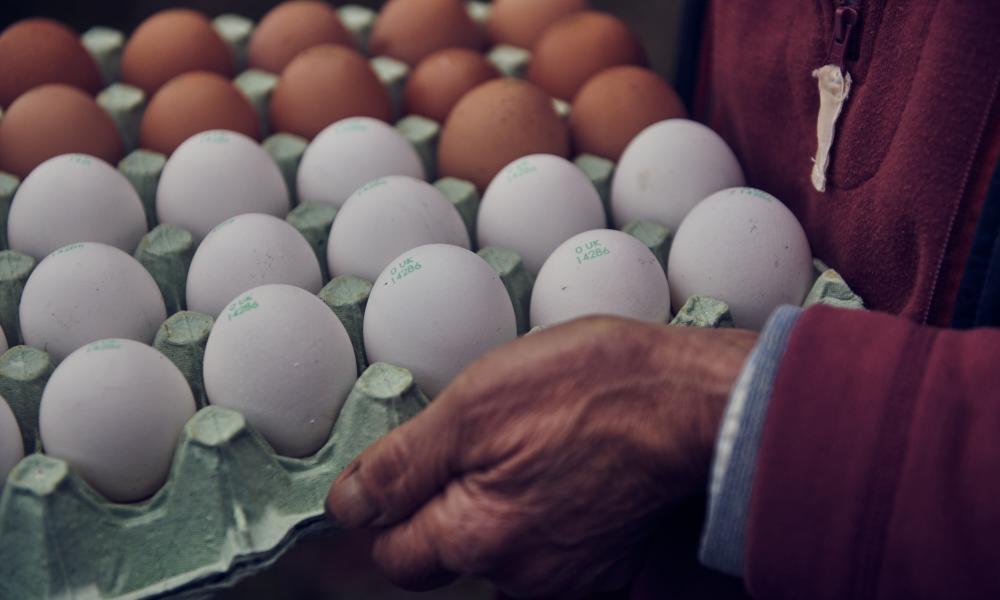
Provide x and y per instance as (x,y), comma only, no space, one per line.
(347,297)
(106,46)
(314,220)
(287,149)
(8,187)
(229,508)
(182,338)
(125,104)
(15,268)
(166,252)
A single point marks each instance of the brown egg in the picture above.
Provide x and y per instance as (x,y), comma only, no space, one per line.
(616,105)
(410,30)
(496,123)
(441,79)
(578,47)
(192,103)
(323,85)
(290,28)
(522,22)
(170,43)
(37,51)
(54,119)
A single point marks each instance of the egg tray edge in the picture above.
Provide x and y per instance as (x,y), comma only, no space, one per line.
(230,506)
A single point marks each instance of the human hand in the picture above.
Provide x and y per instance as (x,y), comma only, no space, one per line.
(544,464)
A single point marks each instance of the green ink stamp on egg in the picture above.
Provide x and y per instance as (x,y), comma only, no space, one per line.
(404,269)
(241,306)
(590,251)
(103,345)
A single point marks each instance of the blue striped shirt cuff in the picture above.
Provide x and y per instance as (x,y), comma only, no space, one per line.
(723,544)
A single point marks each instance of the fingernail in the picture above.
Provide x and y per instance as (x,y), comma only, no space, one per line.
(349,505)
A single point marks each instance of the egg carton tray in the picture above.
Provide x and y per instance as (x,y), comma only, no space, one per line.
(231,506)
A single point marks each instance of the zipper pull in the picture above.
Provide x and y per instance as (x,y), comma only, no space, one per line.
(834,90)
(844,20)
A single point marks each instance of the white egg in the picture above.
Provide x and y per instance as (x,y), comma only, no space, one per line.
(245,252)
(434,310)
(600,272)
(87,292)
(667,169)
(74,198)
(11,446)
(349,154)
(744,247)
(387,217)
(279,356)
(535,204)
(216,175)
(114,411)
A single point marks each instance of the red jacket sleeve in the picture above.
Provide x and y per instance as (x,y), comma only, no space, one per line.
(878,474)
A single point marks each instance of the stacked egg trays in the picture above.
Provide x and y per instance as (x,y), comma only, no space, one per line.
(231,506)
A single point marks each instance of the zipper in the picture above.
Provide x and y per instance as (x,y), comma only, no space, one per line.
(844,19)
(834,88)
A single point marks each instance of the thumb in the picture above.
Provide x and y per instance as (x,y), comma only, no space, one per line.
(396,475)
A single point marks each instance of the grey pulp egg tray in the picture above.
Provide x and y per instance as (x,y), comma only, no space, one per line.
(231,506)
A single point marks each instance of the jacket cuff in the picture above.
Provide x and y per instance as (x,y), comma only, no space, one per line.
(723,545)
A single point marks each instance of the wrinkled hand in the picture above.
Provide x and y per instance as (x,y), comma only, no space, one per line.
(544,464)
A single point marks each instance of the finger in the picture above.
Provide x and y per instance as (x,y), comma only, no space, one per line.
(396,475)
(461,531)
(408,557)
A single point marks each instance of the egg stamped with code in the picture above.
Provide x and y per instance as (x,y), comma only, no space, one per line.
(245,252)
(600,272)
(349,154)
(74,198)
(216,175)
(279,356)
(86,292)
(387,217)
(535,204)
(669,168)
(434,310)
(744,247)
(114,410)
